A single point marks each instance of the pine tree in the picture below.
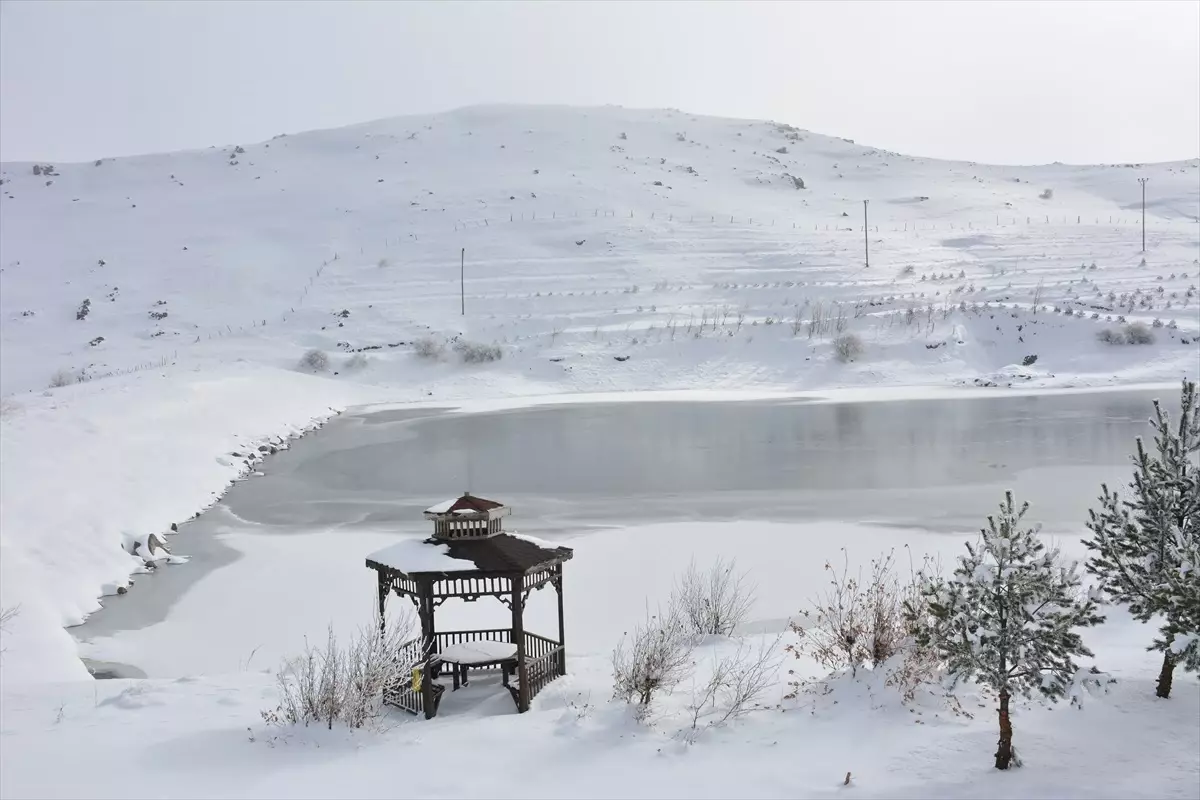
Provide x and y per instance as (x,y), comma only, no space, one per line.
(1008,617)
(1146,550)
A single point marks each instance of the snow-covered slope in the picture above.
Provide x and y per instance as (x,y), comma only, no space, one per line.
(588,233)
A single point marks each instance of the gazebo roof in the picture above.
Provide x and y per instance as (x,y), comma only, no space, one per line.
(504,553)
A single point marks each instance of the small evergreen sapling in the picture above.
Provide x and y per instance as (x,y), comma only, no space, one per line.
(1146,550)
(1008,617)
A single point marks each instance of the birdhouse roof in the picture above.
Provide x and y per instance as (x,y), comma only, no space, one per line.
(467,504)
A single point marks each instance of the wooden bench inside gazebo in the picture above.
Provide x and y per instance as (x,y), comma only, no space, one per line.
(470,556)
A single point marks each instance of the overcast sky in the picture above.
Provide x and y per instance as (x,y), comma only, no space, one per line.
(1009,82)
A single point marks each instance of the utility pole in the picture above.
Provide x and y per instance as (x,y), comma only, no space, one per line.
(462,280)
(1142,181)
(866,242)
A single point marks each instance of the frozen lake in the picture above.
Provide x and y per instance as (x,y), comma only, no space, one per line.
(937,466)
(925,463)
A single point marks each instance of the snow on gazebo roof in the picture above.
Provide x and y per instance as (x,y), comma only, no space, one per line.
(467,504)
(420,555)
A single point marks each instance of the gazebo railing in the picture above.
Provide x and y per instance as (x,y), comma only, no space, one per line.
(545,658)
(537,646)
(539,671)
(444,639)
(403,694)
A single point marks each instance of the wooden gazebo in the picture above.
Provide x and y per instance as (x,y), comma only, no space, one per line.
(471,556)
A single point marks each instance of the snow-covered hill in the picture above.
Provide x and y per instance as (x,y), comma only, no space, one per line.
(588,234)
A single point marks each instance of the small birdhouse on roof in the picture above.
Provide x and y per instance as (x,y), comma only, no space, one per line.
(467,517)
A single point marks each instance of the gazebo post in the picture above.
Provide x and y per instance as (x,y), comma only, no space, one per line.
(518,633)
(383,588)
(428,641)
(562,628)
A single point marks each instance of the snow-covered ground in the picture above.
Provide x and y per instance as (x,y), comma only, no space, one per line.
(197,730)
(604,250)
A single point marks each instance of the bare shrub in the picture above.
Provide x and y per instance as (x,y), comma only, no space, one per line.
(314,361)
(847,347)
(1047,194)
(428,347)
(1110,336)
(475,353)
(909,270)
(355,362)
(734,688)
(715,602)
(797,323)
(383,262)
(855,622)
(342,684)
(1139,333)
(818,322)
(62,377)
(7,615)
(1037,296)
(651,659)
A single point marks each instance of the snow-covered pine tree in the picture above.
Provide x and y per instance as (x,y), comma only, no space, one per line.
(1179,636)
(1146,550)
(1009,617)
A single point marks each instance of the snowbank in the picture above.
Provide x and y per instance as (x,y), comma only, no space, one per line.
(96,463)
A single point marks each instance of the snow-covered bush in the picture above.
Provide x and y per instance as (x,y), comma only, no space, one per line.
(7,615)
(1047,194)
(856,623)
(734,688)
(355,362)
(342,684)
(847,347)
(1009,616)
(9,407)
(314,361)
(1139,333)
(715,602)
(653,658)
(1111,336)
(1146,550)
(62,377)
(475,353)
(428,347)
